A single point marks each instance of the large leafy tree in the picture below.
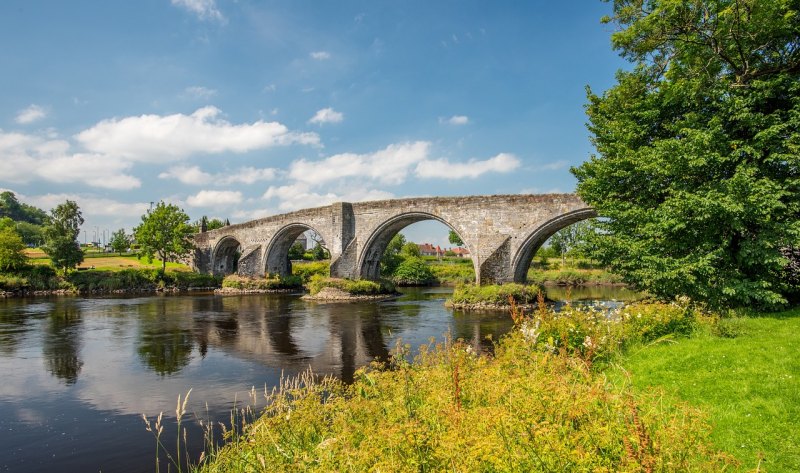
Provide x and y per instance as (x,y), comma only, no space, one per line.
(164,232)
(11,249)
(698,146)
(61,235)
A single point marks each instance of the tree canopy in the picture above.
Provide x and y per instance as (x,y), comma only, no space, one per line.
(119,241)
(164,232)
(698,150)
(11,249)
(455,239)
(61,235)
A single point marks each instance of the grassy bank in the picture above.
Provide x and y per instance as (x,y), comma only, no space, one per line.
(494,294)
(541,403)
(45,278)
(269,283)
(748,383)
(356,288)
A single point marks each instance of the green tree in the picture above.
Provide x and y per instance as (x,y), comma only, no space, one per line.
(413,272)
(164,232)
(391,257)
(455,239)
(319,253)
(296,251)
(61,235)
(698,150)
(410,250)
(11,250)
(31,233)
(20,212)
(119,241)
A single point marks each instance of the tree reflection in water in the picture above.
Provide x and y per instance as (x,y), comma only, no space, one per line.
(165,341)
(62,342)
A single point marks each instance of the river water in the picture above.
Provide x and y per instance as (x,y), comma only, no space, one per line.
(76,374)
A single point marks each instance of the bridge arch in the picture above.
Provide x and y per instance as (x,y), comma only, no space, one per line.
(524,255)
(369,261)
(225,256)
(276,256)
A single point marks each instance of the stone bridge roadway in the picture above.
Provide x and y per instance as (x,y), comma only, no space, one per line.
(501,232)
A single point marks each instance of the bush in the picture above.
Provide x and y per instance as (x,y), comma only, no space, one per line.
(306,270)
(495,294)
(413,272)
(269,283)
(359,287)
(454,271)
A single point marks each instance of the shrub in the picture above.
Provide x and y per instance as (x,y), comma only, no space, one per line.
(413,272)
(357,287)
(495,294)
(306,270)
(454,272)
(268,283)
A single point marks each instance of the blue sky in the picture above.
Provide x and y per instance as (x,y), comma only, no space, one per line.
(241,108)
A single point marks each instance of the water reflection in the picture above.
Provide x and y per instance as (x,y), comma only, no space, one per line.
(107,360)
(61,343)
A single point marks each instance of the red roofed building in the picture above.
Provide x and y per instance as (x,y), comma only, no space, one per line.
(461,252)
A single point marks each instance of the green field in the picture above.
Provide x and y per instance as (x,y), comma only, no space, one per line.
(748,385)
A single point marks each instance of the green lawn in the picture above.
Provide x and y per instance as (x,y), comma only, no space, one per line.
(748,385)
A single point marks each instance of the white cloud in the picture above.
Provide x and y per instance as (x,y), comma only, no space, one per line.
(30,114)
(91,205)
(455,120)
(204,9)
(320,55)
(193,175)
(28,157)
(299,196)
(156,138)
(554,166)
(207,198)
(199,92)
(248,175)
(326,115)
(388,166)
(442,168)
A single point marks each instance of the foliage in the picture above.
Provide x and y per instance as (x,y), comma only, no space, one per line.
(354,287)
(410,250)
(306,270)
(698,164)
(391,257)
(30,233)
(458,270)
(296,251)
(413,272)
(61,235)
(11,250)
(571,239)
(164,232)
(450,408)
(20,212)
(119,241)
(269,283)
(455,239)
(755,414)
(319,253)
(495,294)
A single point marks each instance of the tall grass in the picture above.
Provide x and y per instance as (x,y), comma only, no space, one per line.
(538,404)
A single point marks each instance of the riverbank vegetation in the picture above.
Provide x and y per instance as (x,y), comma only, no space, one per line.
(494,296)
(268,283)
(541,402)
(361,287)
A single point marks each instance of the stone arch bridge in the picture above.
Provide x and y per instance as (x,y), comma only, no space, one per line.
(501,232)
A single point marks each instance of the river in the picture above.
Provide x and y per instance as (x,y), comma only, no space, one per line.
(76,374)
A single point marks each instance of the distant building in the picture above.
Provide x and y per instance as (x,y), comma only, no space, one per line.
(426,249)
(461,252)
